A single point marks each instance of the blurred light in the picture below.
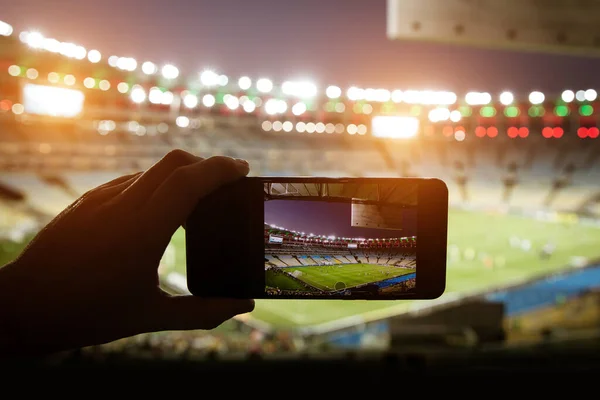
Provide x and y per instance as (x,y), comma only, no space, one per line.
(32,73)
(69,80)
(354,93)
(339,128)
(311,127)
(367,109)
(395,127)
(127,63)
(299,109)
(439,114)
(459,136)
(249,106)
(340,107)
(480,131)
(267,125)
(299,89)
(149,68)
(277,126)
(580,95)
(492,131)
(94,56)
(138,95)
(209,78)
(274,106)
(190,100)
(448,131)
(167,98)
(208,100)
(536,97)
(223,80)
(232,102)
(35,40)
(586,110)
(89,82)
(512,111)
(455,116)
(487,112)
(14,70)
(288,126)
(561,111)
(590,95)
(53,101)
(104,85)
(53,77)
(162,128)
(264,85)
(5,29)
(333,92)
(52,45)
(245,83)
(18,108)
(558,132)
(507,98)
(523,132)
(512,132)
(182,121)
(478,98)
(582,132)
(568,96)
(113,60)
(155,95)
(397,96)
(330,128)
(170,71)
(362,129)
(301,127)
(80,53)
(547,132)
(352,129)
(5,105)
(593,132)
(320,127)
(122,87)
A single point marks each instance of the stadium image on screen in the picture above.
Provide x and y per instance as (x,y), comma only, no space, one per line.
(339,239)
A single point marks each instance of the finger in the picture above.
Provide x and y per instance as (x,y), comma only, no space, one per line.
(175,199)
(157,174)
(114,182)
(190,312)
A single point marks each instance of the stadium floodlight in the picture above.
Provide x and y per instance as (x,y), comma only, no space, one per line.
(149,68)
(507,98)
(245,83)
(568,96)
(590,95)
(94,56)
(536,97)
(170,71)
(333,92)
(394,127)
(138,95)
(53,101)
(209,100)
(299,89)
(264,85)
(209,78)
(299,109)
(5,29)
(190,100)
(35,40)
(52,45)
(478,98)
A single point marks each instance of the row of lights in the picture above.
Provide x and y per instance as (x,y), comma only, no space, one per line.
(514,132)
(301,89)
(312,127)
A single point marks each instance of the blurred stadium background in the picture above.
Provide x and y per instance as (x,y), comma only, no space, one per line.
(523,171)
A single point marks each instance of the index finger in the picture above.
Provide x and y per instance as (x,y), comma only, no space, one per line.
(172,202)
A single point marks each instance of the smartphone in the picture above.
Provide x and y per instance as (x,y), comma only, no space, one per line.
(320,238)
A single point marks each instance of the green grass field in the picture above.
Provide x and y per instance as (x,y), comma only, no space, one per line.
(487,233)
(328,278)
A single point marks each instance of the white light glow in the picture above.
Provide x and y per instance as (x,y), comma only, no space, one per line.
(568,96)
(536,97)
(245,83)
(507,98)
(249,106)
(208,100)
(232,102)
(138,95)
(299,109)
(182,121)
(591,95)
(170,71)
(264,85)
(190,100)
(149,68)
(94,56)
(53,101)
(5,29)
(333,92)
(478,98)
(394,127)
(299,89)
(209,78)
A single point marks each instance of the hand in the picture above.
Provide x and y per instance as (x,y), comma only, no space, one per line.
(90,276)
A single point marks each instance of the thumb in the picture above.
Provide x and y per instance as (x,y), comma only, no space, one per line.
(191,312)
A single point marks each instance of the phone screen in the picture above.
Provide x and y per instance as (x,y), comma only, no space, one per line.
(340,239)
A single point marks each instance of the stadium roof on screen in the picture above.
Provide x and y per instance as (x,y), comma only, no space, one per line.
(404,194)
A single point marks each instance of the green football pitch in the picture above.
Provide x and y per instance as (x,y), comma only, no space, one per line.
(474,239)
(336,277)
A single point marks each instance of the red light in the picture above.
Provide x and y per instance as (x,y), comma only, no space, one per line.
(593,132)
(429,130)
(558,132)
(492,131)
(512,132)
(480,131)
(5,105)
(447,131)
(547,132)
(582,132)
(523,132)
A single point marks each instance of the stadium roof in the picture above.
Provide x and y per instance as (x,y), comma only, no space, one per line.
(404,194)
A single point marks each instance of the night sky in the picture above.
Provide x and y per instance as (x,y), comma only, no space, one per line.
(339,42)
(323,218)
